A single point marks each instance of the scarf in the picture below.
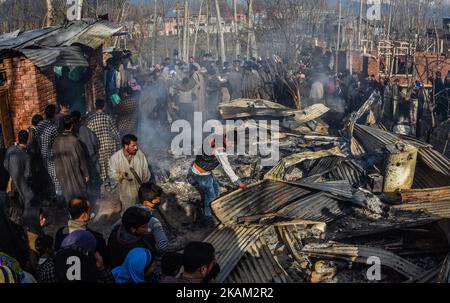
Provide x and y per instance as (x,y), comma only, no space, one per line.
(74,225)
(133,268)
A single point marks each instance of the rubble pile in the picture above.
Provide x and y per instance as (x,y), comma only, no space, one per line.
(334,204)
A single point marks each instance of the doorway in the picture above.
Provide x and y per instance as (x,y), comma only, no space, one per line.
(70,87)
(5,120)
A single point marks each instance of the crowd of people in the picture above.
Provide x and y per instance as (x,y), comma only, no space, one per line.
(67,159)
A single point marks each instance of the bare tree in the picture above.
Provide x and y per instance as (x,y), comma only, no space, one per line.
(236,30)
(178,28)
(197,26)
(155,31)
(251,40)
(219,27)
(185,31)
(208,42)
(49,16)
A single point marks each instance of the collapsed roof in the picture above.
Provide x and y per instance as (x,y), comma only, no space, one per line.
(331,200)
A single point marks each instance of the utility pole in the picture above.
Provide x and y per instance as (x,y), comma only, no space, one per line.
(338,44)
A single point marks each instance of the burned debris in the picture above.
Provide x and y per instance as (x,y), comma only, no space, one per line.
(345,167)
(335,202)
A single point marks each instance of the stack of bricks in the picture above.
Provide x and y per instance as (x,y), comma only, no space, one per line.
(30,90)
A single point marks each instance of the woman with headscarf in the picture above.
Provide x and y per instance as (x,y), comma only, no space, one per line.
(137,267)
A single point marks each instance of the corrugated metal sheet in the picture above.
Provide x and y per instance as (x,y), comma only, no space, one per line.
(341,189)
(9,35)
(64,56)
(311,113)
(72,56)
(63,34)
(230,244)
(352,227)
(428,178)
(278,172)
(336,169)
(263,197)
(286,201)
(440,138)
(95,35)
(41,57)
(25,37)
(425,195)
(360,254)
(317,207)
(49,46)
(244,108)
(439,209)
(258,266)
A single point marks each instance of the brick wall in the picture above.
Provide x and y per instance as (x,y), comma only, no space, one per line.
(95,88)
(435,62)
(30,90)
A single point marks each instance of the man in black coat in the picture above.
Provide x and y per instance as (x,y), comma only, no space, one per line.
(80,215)
(18,164)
